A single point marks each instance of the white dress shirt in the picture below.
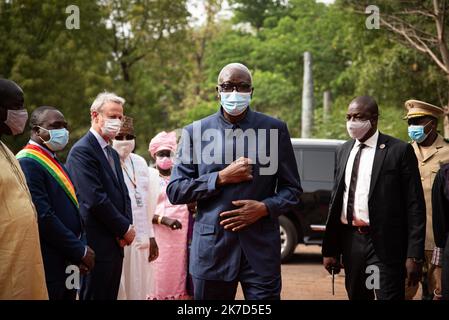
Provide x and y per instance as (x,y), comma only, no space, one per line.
(361,211)
(101,141)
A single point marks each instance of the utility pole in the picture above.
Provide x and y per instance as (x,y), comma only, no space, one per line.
(307,97)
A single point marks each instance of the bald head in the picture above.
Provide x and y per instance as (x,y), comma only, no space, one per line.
(367,104)
(235,69)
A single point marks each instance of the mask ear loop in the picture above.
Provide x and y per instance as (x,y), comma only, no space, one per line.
(49,133)
(426,126)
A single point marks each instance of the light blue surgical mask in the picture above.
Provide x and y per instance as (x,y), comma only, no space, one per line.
(417,133)
(235,103)
(58,139)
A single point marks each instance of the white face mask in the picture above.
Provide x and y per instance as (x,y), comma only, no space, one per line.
(124,147)
(235,103)
(111,127)
(357,129)
(16,121)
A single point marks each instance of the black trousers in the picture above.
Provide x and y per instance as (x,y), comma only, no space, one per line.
(59,291)
(254,286)
(445,272)
(367,277)
(103,282)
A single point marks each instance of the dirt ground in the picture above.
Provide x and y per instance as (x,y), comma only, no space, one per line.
(304,278)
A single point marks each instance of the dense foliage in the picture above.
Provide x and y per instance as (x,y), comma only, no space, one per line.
(167,67)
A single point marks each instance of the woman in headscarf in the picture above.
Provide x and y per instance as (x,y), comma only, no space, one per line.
(170,224)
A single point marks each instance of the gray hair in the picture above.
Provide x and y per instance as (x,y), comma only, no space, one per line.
(103,98)
(237,66)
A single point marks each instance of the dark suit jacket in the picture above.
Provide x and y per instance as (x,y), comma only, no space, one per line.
(440,214)
(396,203)
(60,225)
(104,201)
(215,252)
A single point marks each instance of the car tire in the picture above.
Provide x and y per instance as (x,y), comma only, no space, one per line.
(289,238)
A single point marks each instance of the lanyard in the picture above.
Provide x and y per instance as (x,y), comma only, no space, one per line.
(133,180)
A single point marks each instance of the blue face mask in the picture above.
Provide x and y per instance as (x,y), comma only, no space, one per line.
(417,133)
(235,103)
(58,139)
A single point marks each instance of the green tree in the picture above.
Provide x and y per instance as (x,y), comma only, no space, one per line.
(256,12)
(421,26)
(55,66)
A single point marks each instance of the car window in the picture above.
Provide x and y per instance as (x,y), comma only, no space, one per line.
(318,165)
(316,168)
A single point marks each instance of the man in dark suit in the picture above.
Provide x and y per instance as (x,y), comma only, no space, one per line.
(104,202)
(242,180)
(377,215)
(60,225)
(440,205)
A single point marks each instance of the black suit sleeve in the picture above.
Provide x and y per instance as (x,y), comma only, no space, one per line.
(414,203)
(440,208)
(85,172)
(51,228)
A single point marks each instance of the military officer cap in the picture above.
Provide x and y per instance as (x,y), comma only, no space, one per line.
(418,108)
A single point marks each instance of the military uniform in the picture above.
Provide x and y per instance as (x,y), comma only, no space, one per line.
(429,164)
(429,161)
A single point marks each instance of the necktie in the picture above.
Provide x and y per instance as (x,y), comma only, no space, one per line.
(353,185)
(111,159)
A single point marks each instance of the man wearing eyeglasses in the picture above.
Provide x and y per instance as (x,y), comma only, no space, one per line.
(236,232)
(136,281)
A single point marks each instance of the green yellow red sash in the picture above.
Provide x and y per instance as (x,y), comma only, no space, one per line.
(52,166)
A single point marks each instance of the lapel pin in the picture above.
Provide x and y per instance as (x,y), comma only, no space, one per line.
(382,146)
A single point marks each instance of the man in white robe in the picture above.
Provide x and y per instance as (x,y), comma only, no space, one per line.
(137,275)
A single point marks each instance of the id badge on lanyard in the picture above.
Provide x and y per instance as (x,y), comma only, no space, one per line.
(139,200)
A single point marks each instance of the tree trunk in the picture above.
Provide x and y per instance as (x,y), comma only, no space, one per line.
(446,114)
(125,71)
(327,105)
(307,97)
